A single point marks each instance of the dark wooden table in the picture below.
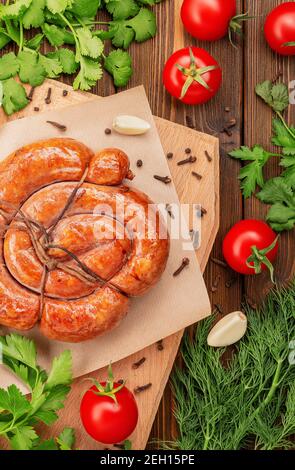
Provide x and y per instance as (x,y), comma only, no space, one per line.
(244,67)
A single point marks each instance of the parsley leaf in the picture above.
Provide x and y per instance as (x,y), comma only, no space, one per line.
(51,65)
(66,57)
(34,16)
(15,10)
(283,138)
(90,72)
(85,8)
(14,97)
(276,96)
(251,174)
(119,65)
(13,401)
(122,9)
(280,194)
(144,25)
(23,438)
(9,66)
(57,36)
(31,69)
(66,440)
(49,444)
(35,42)
(61,371)
(57,6)
(90,45)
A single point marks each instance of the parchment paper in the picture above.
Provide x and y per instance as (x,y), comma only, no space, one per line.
(174,303)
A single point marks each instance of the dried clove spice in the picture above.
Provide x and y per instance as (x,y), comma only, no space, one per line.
(197,175)
(139,163)
(219,308)
(65,93)
(163,179)
(160,345)
(59,126)
(142,388)
(139,363)
(169,155)
(208,156)
(202,212)
(190,159)
(188,151)
(36,109)
(48,96)
(219,262)
(184,264)
(107,131)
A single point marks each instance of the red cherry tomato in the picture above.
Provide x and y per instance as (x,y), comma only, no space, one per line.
(208,20)
(248,241)
(279,28)
(192,75)
(107,419)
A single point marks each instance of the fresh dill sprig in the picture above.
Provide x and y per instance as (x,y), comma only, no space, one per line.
(250,402)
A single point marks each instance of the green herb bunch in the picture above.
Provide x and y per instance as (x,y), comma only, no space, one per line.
(279,192)
(18,414)
(70,27)
(250,401)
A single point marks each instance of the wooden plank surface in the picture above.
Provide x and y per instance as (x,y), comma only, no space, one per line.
(242,69)
(158,364)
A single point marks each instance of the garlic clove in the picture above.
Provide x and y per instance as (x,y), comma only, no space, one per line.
(130,125)
(228,330)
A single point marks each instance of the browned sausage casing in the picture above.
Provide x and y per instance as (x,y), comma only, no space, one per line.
(74,269)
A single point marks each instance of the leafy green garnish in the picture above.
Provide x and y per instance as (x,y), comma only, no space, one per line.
(14,10)
(122,9)
(276,96)
(18,415)
(119,65)
(34,16)
(9,66)
(14,96)
(31,69)
(248,402)
(251,174)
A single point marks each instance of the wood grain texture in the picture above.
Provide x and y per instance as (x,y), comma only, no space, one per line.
(242,68)
(158,364)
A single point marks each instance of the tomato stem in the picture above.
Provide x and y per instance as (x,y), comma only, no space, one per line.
(108,390)
(236,26)
(194,74)
(258,258)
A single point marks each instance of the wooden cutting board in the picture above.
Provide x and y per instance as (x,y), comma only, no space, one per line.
(158,364)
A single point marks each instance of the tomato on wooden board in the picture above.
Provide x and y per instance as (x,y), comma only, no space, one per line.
(250,247)
(192,75)
(279,28)
(208,20)
(109,411)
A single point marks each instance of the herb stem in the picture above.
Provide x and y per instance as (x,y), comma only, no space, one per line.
(285,125)
(21,36)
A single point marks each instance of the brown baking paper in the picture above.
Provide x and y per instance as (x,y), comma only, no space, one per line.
(171,305)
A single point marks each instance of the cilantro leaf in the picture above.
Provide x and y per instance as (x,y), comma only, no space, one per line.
(61,371)
(121,34)
(144,25)
(66,440)
(57,6)
(276,96)
(85,8)
(9,66)
(34,16)
(122,9)
(279,193)
(23,438)
(4,40)
(57,36)
(118,64)
(35,42)
(66,57)
(90,45)
(15,10)
(31,69)
(13,401)
(90,72)
(251,174)
(288,163)
(51,65)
